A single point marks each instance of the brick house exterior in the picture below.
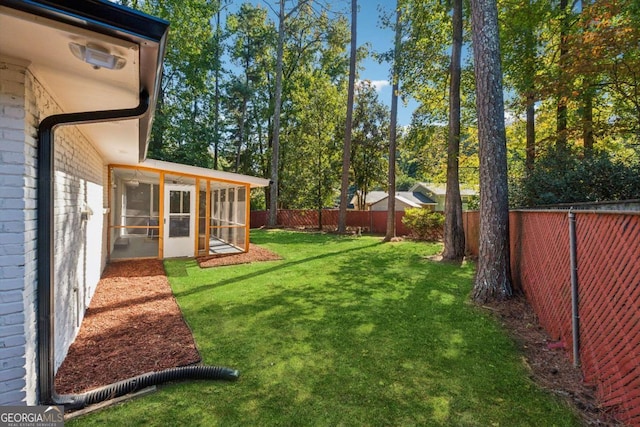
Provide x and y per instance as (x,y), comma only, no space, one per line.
(31,89)
(79,180)
(18,243)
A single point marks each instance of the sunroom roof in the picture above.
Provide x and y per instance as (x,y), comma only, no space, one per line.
(230,177)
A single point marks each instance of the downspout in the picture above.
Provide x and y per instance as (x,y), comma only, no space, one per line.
(45,254)
(575,324)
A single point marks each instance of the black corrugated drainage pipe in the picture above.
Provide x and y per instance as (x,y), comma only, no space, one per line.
(111,391)
(575,309)
(45,252)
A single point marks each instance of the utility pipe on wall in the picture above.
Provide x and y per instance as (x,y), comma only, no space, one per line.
(575,324)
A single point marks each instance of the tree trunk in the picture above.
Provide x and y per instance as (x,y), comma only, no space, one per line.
(531,133)
(261,151)
(561,111)
(241,130)
(275,151)
(216,119)
(587,106)
(346,154)
(454,244)
(391,206)
(530,106)
(493,279)
(319,188)
(587,120)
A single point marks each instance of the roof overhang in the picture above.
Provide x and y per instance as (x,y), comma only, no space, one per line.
(196,171)
(38,33)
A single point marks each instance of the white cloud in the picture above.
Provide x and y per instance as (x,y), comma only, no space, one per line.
(378,84)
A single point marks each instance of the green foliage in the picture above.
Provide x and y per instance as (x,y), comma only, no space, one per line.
(520,48)
(181,131)
(342,331)
(600,63)
(423,151)
(473,203)
(565,176)
(424,63)
(258,199)
(245,102)
(311,161)
(369,139)
(604,64)
(424,224)
(404,182)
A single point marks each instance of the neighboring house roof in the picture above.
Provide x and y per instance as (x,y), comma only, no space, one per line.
(44,34)
(411,198)
(408,202)
(416,197)
(441,189)
(204,172)
(374,197)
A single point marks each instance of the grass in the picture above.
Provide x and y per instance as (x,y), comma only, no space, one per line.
(343,331)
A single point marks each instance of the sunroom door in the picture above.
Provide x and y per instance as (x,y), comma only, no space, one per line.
(179,220)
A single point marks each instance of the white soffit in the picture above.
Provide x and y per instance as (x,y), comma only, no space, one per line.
(230,177)
(75,85)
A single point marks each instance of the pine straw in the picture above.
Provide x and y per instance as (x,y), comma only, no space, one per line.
(548,362)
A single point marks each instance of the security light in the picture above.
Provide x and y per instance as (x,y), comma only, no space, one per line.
(97,56)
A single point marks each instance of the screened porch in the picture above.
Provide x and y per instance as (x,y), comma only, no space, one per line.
(160,213)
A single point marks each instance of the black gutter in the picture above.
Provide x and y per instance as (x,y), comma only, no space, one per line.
(105,17)
(46,284)
(100,16)
(46,241)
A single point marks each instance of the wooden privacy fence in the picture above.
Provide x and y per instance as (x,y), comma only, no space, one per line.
(608,272)
(368,221)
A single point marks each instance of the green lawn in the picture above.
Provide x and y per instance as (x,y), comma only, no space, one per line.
(344,331)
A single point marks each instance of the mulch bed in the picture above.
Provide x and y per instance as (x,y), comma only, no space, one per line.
(255,254)
(133,326)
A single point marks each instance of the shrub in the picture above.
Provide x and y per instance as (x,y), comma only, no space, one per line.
(424,224)
(567,176)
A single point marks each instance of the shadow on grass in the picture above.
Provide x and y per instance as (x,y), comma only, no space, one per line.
(180,270)
(297,237)
(370,335)
(343,334)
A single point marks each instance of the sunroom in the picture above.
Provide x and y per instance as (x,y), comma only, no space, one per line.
(162,210)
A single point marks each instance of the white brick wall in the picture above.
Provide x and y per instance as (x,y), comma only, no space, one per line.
(79,244)
(17,243)
(78,187)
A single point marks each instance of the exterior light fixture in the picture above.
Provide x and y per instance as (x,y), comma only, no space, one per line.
(97,56)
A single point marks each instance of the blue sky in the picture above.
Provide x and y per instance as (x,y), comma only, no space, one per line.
(370,30)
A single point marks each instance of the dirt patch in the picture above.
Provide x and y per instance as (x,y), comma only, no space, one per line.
(255,254)
(548,362)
